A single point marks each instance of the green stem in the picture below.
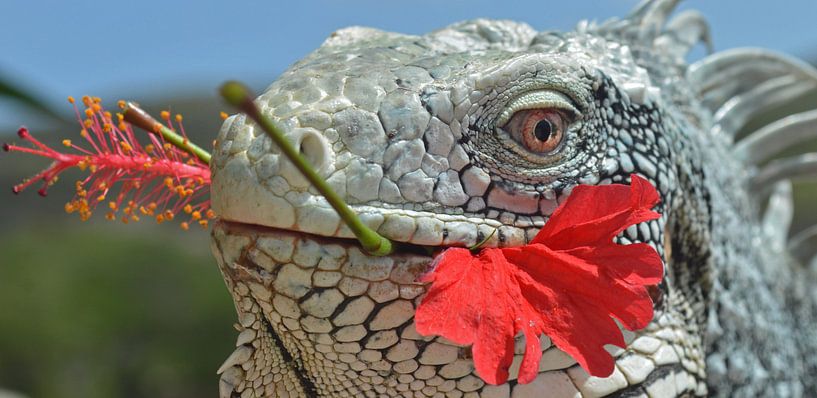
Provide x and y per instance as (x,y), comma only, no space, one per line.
(478,246)
(138,117)
(239,96)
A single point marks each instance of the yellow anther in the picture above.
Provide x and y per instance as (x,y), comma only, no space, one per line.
(184,226)
(167,146)
(149,148)
(224,115)
(211,214)
(165,115)
(83,133)
(88,123)
(179,118)
(188,209)
(69,208)
(168,182)
(112,205)
(67,143)
(70,99)
(196,215)
(120,104)
(100,198)
(203,223)
(110,216)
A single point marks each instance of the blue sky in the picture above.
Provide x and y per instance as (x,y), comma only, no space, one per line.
(116,49)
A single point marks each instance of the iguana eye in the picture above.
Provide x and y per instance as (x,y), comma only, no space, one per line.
(538,130)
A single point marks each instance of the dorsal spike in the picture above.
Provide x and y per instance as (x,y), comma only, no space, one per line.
(803,247)
(778,215)
(795,167)
(682,33)
(651,15)
(727,74)
(770,140)
(644,24)
(735,113)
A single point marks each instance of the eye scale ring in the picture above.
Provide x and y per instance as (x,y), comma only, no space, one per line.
(541,99)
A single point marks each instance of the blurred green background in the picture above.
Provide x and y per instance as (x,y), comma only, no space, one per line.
(99,309)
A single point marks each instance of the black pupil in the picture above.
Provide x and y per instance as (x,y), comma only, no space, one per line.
(543,130)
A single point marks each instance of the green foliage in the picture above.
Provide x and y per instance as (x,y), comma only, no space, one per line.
(13,92)
(101,311)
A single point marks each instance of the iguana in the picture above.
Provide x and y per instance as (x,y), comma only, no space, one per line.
(485,126)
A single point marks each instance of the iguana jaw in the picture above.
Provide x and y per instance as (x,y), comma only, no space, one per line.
(318,317)
(324,303)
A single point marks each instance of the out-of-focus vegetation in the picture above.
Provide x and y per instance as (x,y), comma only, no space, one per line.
(92,310)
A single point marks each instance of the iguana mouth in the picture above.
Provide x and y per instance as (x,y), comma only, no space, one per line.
(399,247)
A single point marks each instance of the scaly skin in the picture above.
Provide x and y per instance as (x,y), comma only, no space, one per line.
(408,129)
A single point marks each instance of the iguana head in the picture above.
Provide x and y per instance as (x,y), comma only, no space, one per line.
(479,129)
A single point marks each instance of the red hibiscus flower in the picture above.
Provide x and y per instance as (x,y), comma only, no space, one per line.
(569,283)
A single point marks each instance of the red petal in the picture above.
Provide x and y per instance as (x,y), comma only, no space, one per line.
(453,268)
(595,214)
(473,300)
(569,283)
(576,277)
(637,263)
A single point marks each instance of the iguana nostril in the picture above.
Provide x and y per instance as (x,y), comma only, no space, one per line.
(316,149)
